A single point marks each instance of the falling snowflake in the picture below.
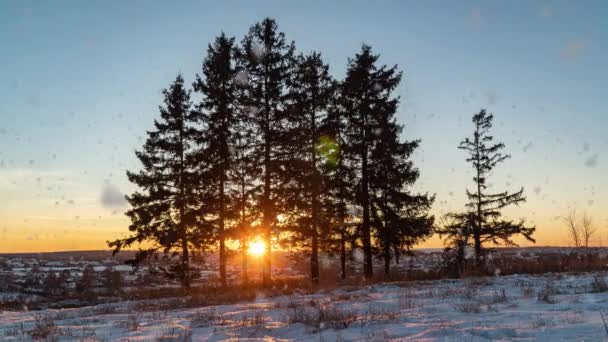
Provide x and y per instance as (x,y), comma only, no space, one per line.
(242,78)
(259,51)
(586,147)
(112,198)
(591,161)
(253,110)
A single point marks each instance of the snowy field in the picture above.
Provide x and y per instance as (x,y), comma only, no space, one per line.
(554,307)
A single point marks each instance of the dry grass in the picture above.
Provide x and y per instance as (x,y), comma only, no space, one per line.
(322,316)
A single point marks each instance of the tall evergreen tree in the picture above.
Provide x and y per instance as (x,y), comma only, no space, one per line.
(367,100)
(218,116)
(167,206)
(264,65)
(311,87)
(340,237)
(400,217)
(486,207)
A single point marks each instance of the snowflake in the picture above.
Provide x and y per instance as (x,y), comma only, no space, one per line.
(242,78)
(591,161)
(377,86)
(259,51)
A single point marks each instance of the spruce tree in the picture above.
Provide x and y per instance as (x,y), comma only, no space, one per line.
(218,115)
(167,210)
(484,155)
(340,237)
(264,65)
(400,217)
(367,100)
(310,90)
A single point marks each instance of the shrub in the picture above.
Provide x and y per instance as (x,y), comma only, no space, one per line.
(203,318)
(130,324)
(44,328)
(527,291)
(499,297)
(598,284)
(323,316)
(175,334)
(546,294)
(469,307)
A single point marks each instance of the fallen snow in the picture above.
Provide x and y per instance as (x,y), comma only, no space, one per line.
(415,311)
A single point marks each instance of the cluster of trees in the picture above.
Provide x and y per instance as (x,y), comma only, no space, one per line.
(267,143)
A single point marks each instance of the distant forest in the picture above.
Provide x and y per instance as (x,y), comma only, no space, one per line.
(267,144)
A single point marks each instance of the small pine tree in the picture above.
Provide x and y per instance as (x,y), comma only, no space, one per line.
(456,230)
(484,156)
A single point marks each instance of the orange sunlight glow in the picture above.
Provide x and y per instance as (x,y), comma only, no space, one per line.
(257,248)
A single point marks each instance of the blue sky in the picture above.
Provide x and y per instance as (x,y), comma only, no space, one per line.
(81,83)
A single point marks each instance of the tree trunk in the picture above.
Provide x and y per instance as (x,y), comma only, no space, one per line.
(387,261)
(185,264)
(221,233)
(314,255)
(244,276)
(314,259)
(477,249)
(478,226)
(343,255)
(366,231)
(397,255)
(267,220)
(267,210)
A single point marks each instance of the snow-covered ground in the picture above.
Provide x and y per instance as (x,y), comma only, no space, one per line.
(554,307)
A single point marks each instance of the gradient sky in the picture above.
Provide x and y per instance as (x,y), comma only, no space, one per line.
(81,80)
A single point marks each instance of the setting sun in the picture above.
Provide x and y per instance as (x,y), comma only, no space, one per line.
(257,248)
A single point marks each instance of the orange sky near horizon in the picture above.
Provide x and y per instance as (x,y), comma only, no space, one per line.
(86,235)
